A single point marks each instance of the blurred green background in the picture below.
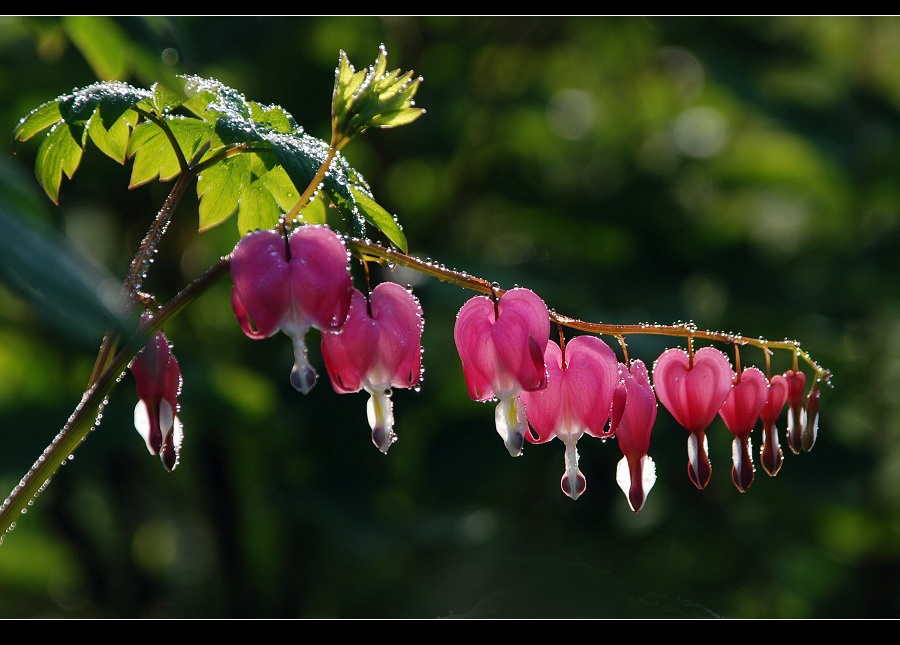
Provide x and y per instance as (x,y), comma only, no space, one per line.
(738,172)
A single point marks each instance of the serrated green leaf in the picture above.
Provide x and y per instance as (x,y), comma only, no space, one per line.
(112,141)
(153,153)
(63,288)
(315,212)
(277,182)
(220,189)
(300,157)
(164,99)
(58,153)
(258,209)
(38,120)
(211,99)
(269,195)
(272,117)
(380,218)
(345,203)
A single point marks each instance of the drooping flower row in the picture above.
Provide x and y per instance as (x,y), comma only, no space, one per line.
(544,390)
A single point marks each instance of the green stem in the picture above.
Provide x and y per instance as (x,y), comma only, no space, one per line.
(94,399)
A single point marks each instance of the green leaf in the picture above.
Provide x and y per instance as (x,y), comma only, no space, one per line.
(277,182)
(268,196)
(164,99)
(70,296)
(153,153)
(380,218)
(211,100)
(38,120)
(273,117)
(102,106)
(315,212)
(220,189)
(58,153)
(258,209)
(112,140)
(103,44)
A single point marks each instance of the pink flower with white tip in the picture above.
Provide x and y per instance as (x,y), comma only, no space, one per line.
(582,376)
(634,413)
(291,286)
(796,419)
(693,388)
(771,455)
(501,345)
(158,379)
(379,347)
(740,412)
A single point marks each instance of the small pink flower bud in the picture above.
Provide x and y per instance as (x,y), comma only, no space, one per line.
(158,379)
(796,420)
(776,396)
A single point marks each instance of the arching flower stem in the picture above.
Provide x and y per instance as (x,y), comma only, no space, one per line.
(366,249)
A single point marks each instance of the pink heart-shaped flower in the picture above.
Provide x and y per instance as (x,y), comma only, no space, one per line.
(693,391)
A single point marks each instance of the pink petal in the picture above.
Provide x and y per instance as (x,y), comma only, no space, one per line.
(380,351)
(577,399)
(796,419)
(545,407)
(400,324)
(350,353)
(472,334)
(259,272)
(639,414)
(776,397)
(320,283)
(520,336)
(503,355)
(693,393)
(745,401)
(591,377)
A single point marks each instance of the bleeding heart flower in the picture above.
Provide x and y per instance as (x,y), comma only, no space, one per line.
(501,347)
(379,347)
(581,378)
(158,379)
(692,389)
(740,413)
(635,408)
(291,286)
(776,395)
(796,419)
